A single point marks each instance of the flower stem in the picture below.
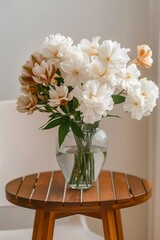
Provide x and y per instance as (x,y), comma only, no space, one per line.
(83,169)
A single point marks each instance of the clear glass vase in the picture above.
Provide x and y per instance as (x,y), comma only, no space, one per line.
(81,160)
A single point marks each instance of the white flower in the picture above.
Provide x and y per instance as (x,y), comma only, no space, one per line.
(142,100)
(150,92)
(115,76)
(134,104)
(98,70)
(90,48)
(110,53)
(130,79)
(75,69)
(106,74)
(56,47)
(95,100)
(59,96)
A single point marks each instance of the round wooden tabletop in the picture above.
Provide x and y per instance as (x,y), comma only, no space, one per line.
(48,191)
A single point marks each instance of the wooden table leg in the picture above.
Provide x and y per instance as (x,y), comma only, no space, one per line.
(112,225)
(109,225)
(43,225)
(118,224)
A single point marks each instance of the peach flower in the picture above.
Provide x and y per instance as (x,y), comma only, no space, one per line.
(43,72)
(59,96)
(27,104)
(26,76)
(27,89)
(144,58)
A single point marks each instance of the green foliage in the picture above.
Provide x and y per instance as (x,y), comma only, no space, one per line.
(58,72)
(48,108)
(77,130)
(53,123)
(64,129)
(59,80)
(64,109)
(117,99)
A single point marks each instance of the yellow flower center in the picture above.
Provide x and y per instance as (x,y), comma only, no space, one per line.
(56,55)
(136,104)
(143,93)
(108,59)
(91,95)
(128,76)
(93,47)
(75,72)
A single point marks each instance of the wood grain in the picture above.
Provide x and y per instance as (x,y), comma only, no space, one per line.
(121,188)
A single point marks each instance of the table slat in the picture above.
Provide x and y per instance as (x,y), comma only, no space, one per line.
(147,186)
(136,186)
(121,187)
(72,197)
(90,196)
(13,186)
(41,188)
(106,189)
(57,188)
(27,187)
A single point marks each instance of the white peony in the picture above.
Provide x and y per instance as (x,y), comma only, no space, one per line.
(150,92)
(98,70)
(142,100)
(95,100)
(130,79)
(110,75)
(75,69)
(90,48)
(110,53)
(134,104)
(56,47)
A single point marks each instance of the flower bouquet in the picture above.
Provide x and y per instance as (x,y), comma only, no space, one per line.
(78,85)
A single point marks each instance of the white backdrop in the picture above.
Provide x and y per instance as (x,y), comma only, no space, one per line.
(23,27)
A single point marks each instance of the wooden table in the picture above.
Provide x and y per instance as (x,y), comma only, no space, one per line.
(50,196)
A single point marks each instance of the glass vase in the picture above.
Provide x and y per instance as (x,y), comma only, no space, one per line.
(81,160)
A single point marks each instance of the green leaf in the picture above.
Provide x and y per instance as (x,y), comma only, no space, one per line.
(63,108)
(63,130)
(71,107)
(77,130)
(53,123)
(58,72)
(75,102)
(41,110)
(48,108)
(118,99)
(55,115)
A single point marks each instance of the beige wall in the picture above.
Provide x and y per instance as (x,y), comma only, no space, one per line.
(25,24)
(154,124)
